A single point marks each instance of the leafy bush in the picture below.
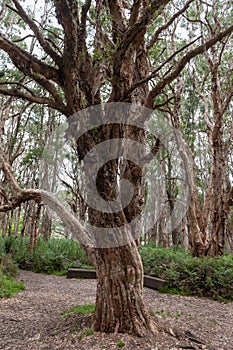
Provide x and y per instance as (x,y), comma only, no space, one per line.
(209,277)
(8,273)
(52,256)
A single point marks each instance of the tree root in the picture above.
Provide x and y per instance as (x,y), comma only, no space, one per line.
(193,341)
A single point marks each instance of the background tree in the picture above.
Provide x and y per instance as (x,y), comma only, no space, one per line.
(212,88)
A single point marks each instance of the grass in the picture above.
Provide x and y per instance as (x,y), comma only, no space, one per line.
(89,331)
(80,336)
(121,344)
(167,313)
(86,309)
(73,330)
(9,286)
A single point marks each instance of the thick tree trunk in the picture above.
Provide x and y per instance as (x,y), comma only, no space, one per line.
(119,302)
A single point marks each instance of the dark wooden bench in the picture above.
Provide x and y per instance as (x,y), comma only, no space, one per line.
(149,281)
(81,273)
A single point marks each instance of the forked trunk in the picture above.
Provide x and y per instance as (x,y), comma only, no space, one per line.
(119,300)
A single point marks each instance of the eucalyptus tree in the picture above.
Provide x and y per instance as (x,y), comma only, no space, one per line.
(23,132)
(82,53)
(199,105)
(211,79)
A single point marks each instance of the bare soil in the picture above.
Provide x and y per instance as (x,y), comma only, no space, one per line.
(32,320)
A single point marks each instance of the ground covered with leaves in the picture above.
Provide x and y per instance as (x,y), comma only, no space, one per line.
(43,317)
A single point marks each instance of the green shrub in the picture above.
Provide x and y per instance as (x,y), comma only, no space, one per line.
(2,247)
(51,256)
(8,273)
(209,277)
(89,331)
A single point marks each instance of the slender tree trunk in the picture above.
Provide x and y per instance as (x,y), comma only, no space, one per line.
(206,225)
(25,219)
(4,224)
(17,221)
(9,223)
(34,226)
(46,225)
(152,235)
(218,215)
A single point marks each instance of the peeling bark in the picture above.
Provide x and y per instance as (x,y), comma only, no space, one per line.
(119,302)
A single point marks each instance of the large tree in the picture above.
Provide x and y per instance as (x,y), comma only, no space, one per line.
(92,51)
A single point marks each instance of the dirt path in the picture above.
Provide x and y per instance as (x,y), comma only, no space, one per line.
(32,320)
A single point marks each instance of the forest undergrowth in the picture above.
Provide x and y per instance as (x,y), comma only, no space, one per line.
(186,275)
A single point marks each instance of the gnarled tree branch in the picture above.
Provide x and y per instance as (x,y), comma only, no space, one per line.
(35,99)
(43,42)
(182,63)
(28,63)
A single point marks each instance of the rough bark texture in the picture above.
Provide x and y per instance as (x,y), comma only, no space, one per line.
(119,302)
(207,224)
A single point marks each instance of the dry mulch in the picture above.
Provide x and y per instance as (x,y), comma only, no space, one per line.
(32,320)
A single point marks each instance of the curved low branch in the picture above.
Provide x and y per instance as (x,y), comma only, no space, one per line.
(19,196)
(69,219)
(15,202)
